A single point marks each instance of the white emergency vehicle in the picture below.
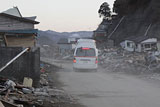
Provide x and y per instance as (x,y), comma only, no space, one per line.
(85,55)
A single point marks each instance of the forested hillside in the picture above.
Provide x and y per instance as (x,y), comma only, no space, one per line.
(139,16)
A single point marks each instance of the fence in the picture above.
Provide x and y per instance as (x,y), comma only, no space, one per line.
(27,65)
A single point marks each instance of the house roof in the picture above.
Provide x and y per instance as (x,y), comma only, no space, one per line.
(137,39)
(31,18)
(63,41)
(100,31)
(14,13)
(19,18)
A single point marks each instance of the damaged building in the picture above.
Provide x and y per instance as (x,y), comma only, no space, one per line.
(140,44)
(15,30)
(101,34)
(66,44)
(16,34)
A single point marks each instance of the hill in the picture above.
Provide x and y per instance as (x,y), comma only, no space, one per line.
(55,36)
(140,17)
(47,40)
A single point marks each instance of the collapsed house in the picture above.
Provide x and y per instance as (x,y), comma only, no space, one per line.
(16,34)
(66,44)
(101,34)
(140,44)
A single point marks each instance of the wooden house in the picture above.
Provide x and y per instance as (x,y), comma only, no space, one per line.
(16,33)
(16,30)
(101,34)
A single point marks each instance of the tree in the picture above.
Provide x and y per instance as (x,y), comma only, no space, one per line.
(124,7)
(121,7)
(104,11)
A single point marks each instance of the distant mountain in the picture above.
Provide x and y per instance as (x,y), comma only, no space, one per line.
(55,36)
(47,40)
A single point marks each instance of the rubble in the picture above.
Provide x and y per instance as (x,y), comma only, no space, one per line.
(27,90)
(117,59)
(27,82)
(1,105)
(46,95)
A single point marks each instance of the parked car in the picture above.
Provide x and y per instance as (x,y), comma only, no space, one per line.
(85,55)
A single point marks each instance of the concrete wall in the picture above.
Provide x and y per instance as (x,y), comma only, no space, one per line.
(28,65)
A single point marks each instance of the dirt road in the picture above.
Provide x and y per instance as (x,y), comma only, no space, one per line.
(106,89)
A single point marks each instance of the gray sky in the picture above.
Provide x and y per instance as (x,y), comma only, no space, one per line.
(60,15)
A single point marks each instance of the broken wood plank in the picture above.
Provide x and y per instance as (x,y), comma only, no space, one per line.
(5,38)
(8,104)
(1,105)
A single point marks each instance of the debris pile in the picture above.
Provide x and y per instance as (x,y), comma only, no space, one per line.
(15,94)
(117,59)
(52,51)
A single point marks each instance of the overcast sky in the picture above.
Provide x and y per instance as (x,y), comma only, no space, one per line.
(60,15)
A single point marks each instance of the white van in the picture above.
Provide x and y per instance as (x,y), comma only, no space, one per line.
(85,55)
(86,41)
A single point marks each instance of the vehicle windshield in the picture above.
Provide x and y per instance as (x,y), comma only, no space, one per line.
(85,52)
